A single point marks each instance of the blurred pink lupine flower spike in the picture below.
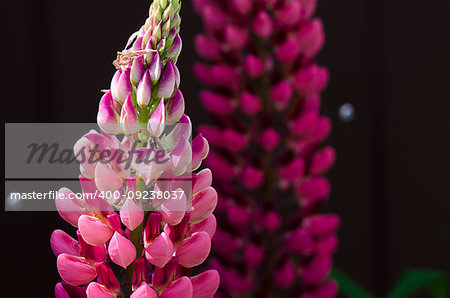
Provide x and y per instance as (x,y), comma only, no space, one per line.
(262,90)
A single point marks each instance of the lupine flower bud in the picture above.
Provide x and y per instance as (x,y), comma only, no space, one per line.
(235,37)
(157,121)
(167,82)
(262,25)
(123,86)
(107,116)
(215,103)
(253,66)
(285,275)
(144,90)
(250,104)
(128,117)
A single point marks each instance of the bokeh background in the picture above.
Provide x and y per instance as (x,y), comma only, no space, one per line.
(389,59)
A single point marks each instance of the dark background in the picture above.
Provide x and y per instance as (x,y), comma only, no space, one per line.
(390,59)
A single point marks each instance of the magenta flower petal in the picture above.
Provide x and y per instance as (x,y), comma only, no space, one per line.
(200,149)
(60,292)
(250,104)
(121,250)
(203,204)
(173,209)
(205,285)
(203,179)
(285,275)
(253,66)
(322,161)
(74,270)
(62,242)
(215,103)
(207,47)
(69,207)
(311,38)
(160,251)
(180,288)
(194,250)
(175,50)
(95,290)
(262,25)
(94,231)
(155,69)
(235,37)
(131,214)
(144,291)
(321,224)
(207,225)
(106,179)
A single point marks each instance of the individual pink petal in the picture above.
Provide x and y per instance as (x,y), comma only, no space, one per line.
(290,14)
(200,149)
(75,270)
(106,179)
(207,47)
(242,6)
(121,250)
(60,292)
(175,50)
(91,253)
(253,66)
(207,225)
(253,254)
(114,84)
(224,75)
(128,117)
(235,141)
(311,38)
(68,206)
(224,243)
(95,290)
(94,231)
(144,90)
(281,94)
(107,117)
(205,285)
(157,121)
(269,139)
(238,215)
(160,251)
(167,82)
(285,275)
(313,189)
(321,224)
(235,37)
(203,204)
(316,270)
(194,250)
(173,209)
(62,242)
(250,104)
(288,51)
(300,241)
(322,161)
(181,288)
(203,179)
(215,103)
(262,24)
(131,214)
(251,177)
(311,79)
(144,291)
(175,107)
(272,220)
(213,18)
(107,278)
(326,245)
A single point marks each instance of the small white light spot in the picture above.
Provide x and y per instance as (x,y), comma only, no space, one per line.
(347,112)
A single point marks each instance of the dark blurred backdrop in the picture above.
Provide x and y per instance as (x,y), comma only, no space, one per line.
(389,59)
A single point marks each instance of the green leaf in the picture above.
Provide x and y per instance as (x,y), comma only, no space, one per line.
(415,280)
(348,287)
